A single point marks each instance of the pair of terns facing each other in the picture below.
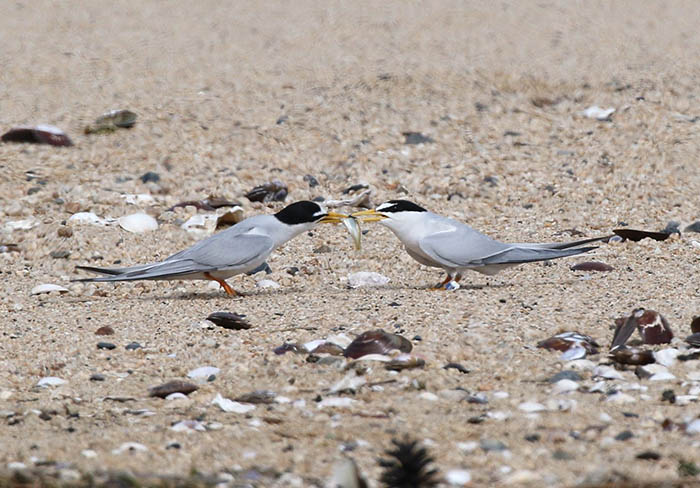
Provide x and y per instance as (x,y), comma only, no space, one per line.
(430,239)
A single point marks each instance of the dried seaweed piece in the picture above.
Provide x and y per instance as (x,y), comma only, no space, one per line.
(39,134)
(376,342)
(591,266)
(229,320)
(274,191)
(408,467)
(638,235)
(176,386)
(568,340)
(633,356)
(211,203)
(695,325)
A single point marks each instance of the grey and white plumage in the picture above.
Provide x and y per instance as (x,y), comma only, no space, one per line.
(239,249)
(442,242)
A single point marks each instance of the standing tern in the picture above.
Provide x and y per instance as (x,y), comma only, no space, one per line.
(241,248)
(441,242)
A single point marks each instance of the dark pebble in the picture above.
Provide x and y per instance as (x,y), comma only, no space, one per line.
(649,455)
(592,266)
(282,119)
(59,254)
(97,377)
(565,375)
(668,396)
(45,416)
(624,435)
(105,330)
(263,267)
(211,378)
(259,396)
(631,415)
(412,138)
(561,455)
(176,386)
(311,180)
(476,420)
(150,176)
(394,304)
(532,437)
(695,325)
(417,338)
(292,270)
(456,366)
(132,346)
(322,249)
(173,445)
(318,199)
(479,399)
(229,320)
(106,345)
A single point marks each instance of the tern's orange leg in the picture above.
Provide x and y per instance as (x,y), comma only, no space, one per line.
(441,286)
(227,288)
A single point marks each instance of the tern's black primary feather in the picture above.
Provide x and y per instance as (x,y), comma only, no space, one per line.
(302,212)
(399,206)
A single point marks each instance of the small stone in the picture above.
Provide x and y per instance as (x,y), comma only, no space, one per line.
(132,346)
(175,386)
(492,445)
(649,456)
(88,453)
(592,266)
(662,376)
(565,386)
(607,372)
(104,330)
(532,437)
(413,138)
(624,435)
(150,177)
(313,182)
(668,396)
(258,397)
(431,397)
(693,427)
(59,254)
(561,455)
(335,402)
(621,398)
(106,345)
(694,227)
(458,477)
(64,231)
(531,407)
(229,320)
(97,377)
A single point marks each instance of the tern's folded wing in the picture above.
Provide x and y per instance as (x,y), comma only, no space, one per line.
(460,247)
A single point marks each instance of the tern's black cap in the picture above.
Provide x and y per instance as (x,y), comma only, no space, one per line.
(399,206)
(302,212)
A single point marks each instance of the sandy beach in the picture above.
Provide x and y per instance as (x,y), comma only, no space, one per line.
(231,95)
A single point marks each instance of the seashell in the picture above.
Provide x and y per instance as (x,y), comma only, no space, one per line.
(188,426)
(456,366)
(693,339)
(606,372)
(176,386)
(362,199)
(350,383)
(104,330)
(597,113)
(695,325)
(376,342)
(666,357)
(649,370)
(39,134)
(130,447)
(591,266)
(203,224)
(230,406)
(257,396)
(229,320)
(353,228)
(638,235)
(366,278)
(568,340)
(633,356)
(8,248)
(50,381)
(47,288)
(176,396)
(229,217)
(573,353)
(653,327)
(89,218)
(138,222)
(203,372)
(274,191)
(327,348)
(404,361)
(119,118)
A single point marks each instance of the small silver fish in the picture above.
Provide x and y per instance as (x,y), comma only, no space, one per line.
(354,229)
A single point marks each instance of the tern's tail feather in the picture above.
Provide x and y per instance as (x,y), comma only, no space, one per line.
(153,271)
(560,245)
(518,255)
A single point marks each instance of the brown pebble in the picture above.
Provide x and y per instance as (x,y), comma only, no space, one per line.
(65,232)
(229,320)
(105,330)
(176,386)
(592,266)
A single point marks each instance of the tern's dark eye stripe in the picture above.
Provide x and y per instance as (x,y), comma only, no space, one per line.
(400,206)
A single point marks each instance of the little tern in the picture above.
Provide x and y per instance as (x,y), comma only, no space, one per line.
(241,248)
(442,242)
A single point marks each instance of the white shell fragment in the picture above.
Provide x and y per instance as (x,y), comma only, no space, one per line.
(188,426)
(203,373)
(47,288)
(666,357)
(201,224)
(230,406)
(531,407)
(595,112)
(267,284)
(573,353)
(140,199)
(353,228)
(458,477)
(138,222)
(24,224)
(335,402)
(366,278)
(89,218)
(50,381)
(606,372)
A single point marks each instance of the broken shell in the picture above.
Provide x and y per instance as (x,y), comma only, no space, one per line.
(327,348)
(591,266)
(230,406)
(366,278)
(693,339)
(47,288)
(638,235)
(229,320)
(39,134)
(176,386)
(274,191)
(654,328)
(634,356)
(567,340)
(353,228)
(595,112)
(231,217)
(138,222)
(111,121)
(695,325)
(404,361)
(377,342)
